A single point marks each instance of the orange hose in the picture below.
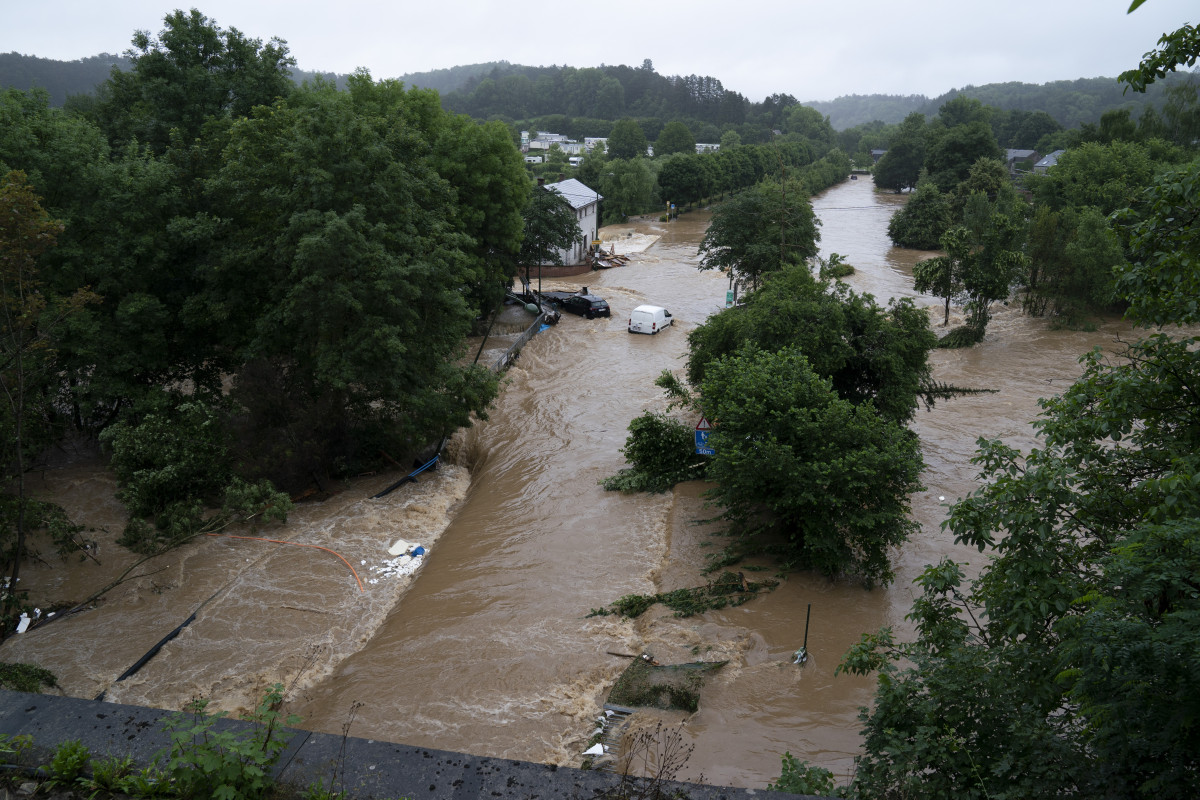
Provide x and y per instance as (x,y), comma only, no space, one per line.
(298,544)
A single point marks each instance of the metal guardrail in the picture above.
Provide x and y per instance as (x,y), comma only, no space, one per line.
(514,349)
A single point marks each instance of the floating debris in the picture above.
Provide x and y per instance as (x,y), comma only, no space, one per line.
(408,560)
(674,686)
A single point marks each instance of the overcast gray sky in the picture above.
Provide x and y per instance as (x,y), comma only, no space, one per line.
(812,50)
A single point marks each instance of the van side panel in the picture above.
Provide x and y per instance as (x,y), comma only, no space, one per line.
(648,319)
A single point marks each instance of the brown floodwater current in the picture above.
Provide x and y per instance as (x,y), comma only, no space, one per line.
(489,648)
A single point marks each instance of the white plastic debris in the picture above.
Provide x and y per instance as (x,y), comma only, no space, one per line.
(399,567)
(23,624)
(595,750)
(399,547)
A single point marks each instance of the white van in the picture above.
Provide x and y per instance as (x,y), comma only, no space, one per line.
(649,319)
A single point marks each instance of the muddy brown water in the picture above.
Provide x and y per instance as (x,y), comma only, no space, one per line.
(489,649)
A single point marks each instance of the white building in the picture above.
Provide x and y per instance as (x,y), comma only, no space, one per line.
(586,203)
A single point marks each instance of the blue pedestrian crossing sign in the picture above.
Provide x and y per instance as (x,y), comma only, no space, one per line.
(703,428)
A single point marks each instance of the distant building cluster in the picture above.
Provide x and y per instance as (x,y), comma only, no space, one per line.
(542,141)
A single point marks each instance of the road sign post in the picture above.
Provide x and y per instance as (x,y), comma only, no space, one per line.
(703,428)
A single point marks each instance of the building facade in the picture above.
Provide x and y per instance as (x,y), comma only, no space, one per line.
(586,203)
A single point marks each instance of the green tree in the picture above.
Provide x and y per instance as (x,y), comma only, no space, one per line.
(192,74)
(683,179)
(488,176)
(1082,281)
(942,276)
(1161,279)
(988,177)
(811,125)
(626,140)
(674,138)
(868,353)
(997,260)
(923,220)
(1105,176)
(550,227)
(628,188)
(28,319)
(959,136)
(759,230)
(340,281)
(1178,48)
(900,167)
(824,482)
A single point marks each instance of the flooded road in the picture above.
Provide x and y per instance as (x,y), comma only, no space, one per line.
(489,650)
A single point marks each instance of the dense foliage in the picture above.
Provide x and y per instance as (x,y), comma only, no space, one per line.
(759,230)
(823,481)
(1068,667)
(809,386)
(868,353)
(251,280)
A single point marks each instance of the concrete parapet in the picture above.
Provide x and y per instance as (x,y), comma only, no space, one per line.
(368,769)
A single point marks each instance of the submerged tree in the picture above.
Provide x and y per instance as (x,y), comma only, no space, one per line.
(822,482)
(760,230)
(923,220)
(869,353)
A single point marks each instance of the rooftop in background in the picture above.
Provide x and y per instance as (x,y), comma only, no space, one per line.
(577,194)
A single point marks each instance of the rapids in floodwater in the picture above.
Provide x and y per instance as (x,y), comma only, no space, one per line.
(489,649)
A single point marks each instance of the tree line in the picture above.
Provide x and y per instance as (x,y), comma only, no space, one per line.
(240,285)
(1050,236)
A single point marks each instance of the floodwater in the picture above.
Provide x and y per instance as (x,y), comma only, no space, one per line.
(489,649)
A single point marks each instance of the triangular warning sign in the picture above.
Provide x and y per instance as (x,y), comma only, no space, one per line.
(704,424)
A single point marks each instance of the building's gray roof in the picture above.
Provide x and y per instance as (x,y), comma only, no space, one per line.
(577,194)
(1017,155)
(1050,160)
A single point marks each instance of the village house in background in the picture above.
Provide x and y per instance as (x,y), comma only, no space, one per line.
(544,140)
(1020,160)
(586,203)
(1047,162)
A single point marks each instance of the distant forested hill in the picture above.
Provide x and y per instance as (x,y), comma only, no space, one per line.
(1070,103)
(449,80)
(64,78)
(856,109)
(59,78)
(584,98)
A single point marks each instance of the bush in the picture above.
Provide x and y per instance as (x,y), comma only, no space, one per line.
(202,762)
(68,762)
(174,452)
(962,336)
(662,452)
(799,777)
(25,678)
